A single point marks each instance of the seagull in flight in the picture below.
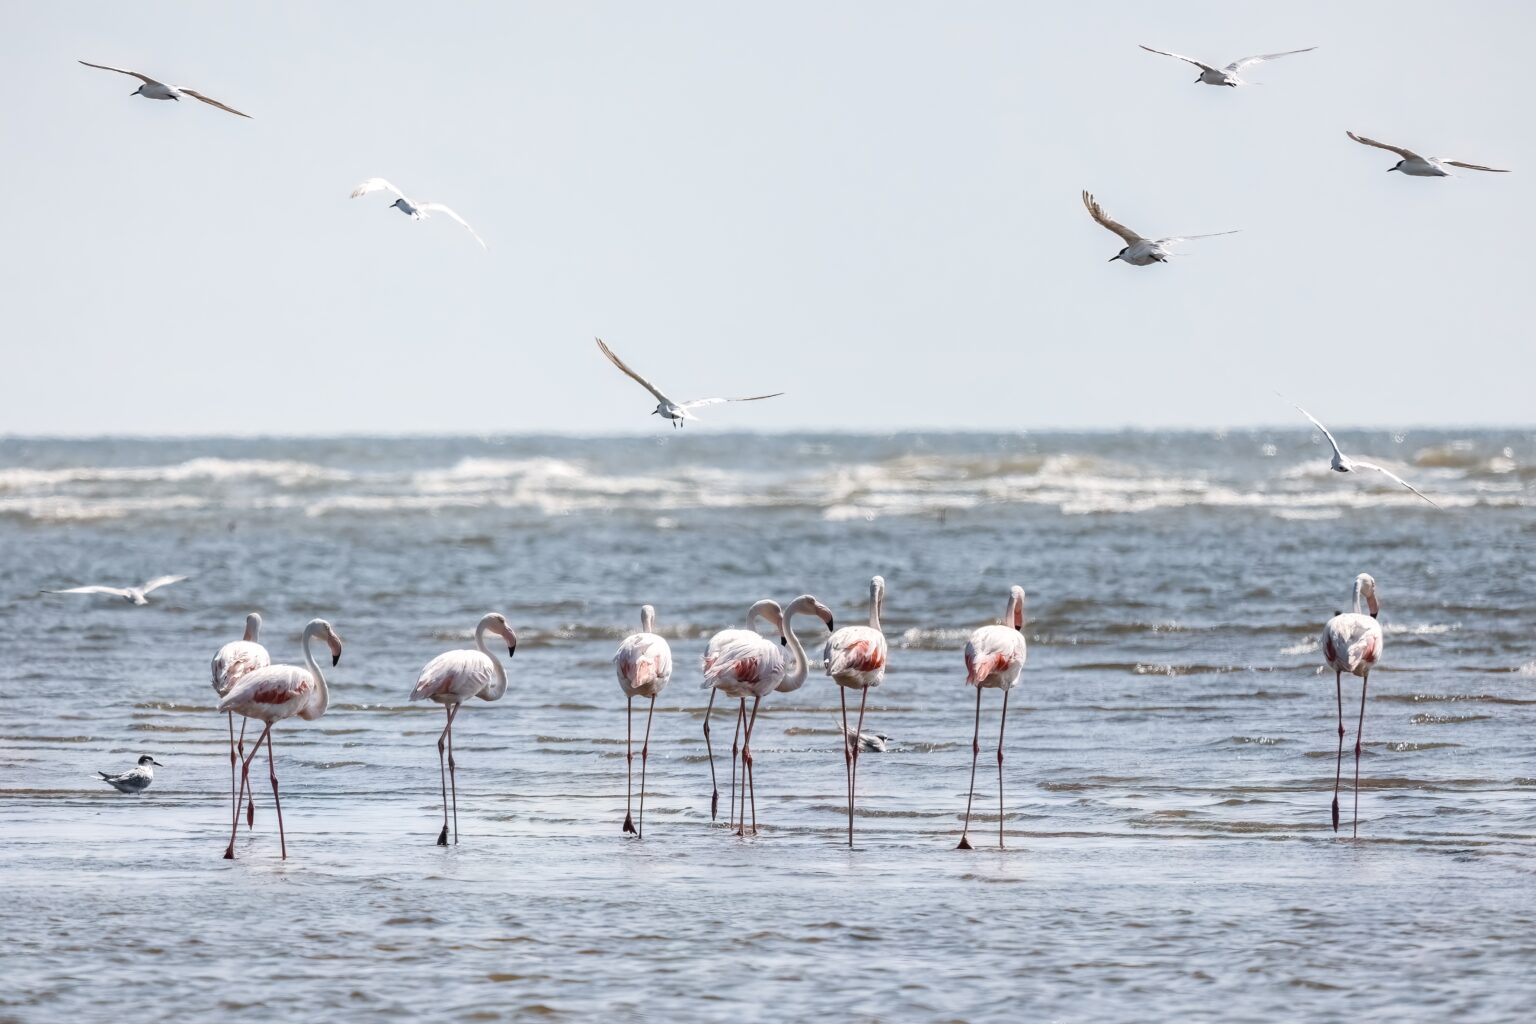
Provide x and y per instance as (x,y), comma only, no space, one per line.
(411,208)
(1228,75)
(134,780)
(677,412)
(1422,166)
(133,595)
(153,90)
(1139,251)
(1344,464)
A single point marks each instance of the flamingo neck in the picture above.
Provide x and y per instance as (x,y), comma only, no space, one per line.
(252,628)
(500,685)
(322,698)
(876,598)
(796,675)
(647,619)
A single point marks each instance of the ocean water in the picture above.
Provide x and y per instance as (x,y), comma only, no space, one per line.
(1169,754)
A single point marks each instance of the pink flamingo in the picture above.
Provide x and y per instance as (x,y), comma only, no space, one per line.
(742,664)
(727,638)
(1352,643)
(272,694)
(236,660)
(644,666)
(452,678)
(855,659)
(994,657)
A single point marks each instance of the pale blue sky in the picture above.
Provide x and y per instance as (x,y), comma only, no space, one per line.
(871,206)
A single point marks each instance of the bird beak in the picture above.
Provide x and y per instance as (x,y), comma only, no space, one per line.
(831,625)
(783,641)
(157,764)
(335,659)
(511,650)
(1113,258)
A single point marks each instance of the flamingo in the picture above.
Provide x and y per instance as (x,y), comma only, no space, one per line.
(644,666)
(1352,643)
(272,694)
(994,657)
(855,659)
(236,660)
(452,678)
(740,663)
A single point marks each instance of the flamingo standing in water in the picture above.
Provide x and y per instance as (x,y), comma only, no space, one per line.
(994,657)
(740,663)
(855,659)
(236,660)
(718,643)
(272,694)
(644,666)
(1352,643)
(452,678)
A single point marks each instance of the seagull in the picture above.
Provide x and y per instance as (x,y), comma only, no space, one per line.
(1344,464)
(674,411)
(133,595)
(1417,166)
(1139,251)
(153,90)
(1227,75)
(411,208)
(134,780)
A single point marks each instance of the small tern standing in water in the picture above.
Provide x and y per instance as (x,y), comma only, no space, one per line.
(153,90)
(1417,166)
(133,595)
(411,208)
(1342,463)
(1139,251)
(134,780)
(1211,75)
(677,412)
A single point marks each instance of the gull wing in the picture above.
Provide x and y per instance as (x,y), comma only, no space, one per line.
(616,361)
(440,208)
(1391,475)
(1319,426)
(1190,238)
(1260,58)
(1180,56)
(209,100)
(1406,154)
(1097,213)
(1475,167)
(123,71)
(375,185)
(698,403)
(161,581)
(114,591)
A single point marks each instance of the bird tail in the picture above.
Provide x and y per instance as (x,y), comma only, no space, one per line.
(105,776)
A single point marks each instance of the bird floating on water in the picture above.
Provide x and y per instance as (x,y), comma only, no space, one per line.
(153,90)
(1417,166)
(133,595)
(410,207)
(134,780)
(1139,251)
(1212,75)
(677,412)
(1342,463)
(869,742)
(1352,643)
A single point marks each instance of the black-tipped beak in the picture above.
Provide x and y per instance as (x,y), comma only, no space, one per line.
(1113,258)
(335,658)
(511,650)
(831,626)
(783,641)
(157,764)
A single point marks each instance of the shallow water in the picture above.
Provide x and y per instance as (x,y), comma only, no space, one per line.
(1169,754)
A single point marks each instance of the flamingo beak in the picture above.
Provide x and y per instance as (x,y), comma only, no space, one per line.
(335,659)
(783,641)
(832,626)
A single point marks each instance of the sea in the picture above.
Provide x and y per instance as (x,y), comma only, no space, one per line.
(1169,755)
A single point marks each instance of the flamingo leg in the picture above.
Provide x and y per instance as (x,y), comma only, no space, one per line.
(714,788)
(1364,681)
(848,745)
(1002,724)
(245,781)
(747,780)
(234,776)
(629,762)
(453,778)
(1338,765)
(853,781)
(442,771)
(282,840)
(741,715)
(965,844)
(250,796)
(645,755)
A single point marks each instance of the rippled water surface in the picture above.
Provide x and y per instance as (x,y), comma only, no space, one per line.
(1169,761)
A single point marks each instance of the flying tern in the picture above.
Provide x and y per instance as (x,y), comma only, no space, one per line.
(677,412)
(153,90)
(1417,166)
(133,595)
(1139,251)
(410,207)
(1211,75)
(1342,463)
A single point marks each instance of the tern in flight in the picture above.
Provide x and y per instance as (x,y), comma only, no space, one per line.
(1422,166)
(133,595)
(1139,251)
(153,90)
(411,208)
(1344,464)
(677,412)
(1211,75)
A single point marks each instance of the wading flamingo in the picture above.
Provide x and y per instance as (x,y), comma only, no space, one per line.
(236,660)
(855,659)
(994,657)
(272,694)
(765,609)
(452,678)
(644,666)
(1352,643)
(741,664)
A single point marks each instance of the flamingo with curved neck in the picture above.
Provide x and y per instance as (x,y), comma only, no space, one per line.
(855,659)
(741,664)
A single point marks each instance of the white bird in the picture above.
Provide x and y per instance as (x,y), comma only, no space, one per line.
(1212,75)
(153,90)
(741,663)
(666,407)
(1422,166)
(1342,463)
(855,659)
(134,780)
(643,664)
(1139,251)
(1352,643)
(236,660)
(133,595)
(869,742)
(994,658)
(411,208)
